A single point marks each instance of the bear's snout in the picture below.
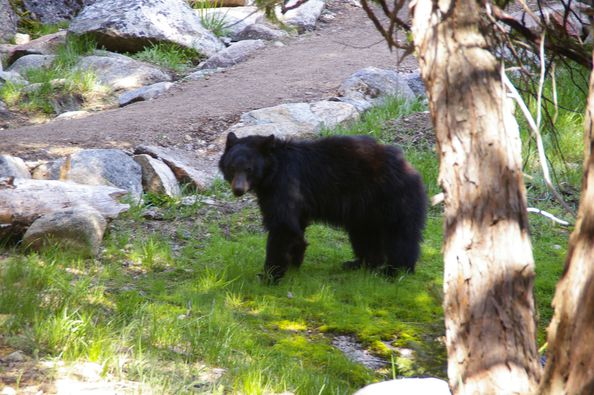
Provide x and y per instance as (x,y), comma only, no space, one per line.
(240,184)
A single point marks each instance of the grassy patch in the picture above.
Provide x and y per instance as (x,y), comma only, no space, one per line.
(60,81)
(214,22)
(169,300)
(170,56)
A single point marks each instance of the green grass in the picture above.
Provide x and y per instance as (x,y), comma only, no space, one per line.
(58,80)
(216,23)
(166,301)
(563,141)
(170,56)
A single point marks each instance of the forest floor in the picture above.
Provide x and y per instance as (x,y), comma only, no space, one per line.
(310,67)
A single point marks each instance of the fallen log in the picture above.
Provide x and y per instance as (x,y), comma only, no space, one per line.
(22,201)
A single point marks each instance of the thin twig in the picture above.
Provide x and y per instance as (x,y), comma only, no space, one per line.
(540,148)
(548,215)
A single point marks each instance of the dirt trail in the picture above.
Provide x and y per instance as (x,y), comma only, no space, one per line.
(310,67)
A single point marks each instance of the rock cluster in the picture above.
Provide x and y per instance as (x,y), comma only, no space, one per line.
(120,26)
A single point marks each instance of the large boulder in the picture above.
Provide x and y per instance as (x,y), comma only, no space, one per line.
(44,45)
(304,17)
(95,167)
(124,25)
(122,72)
(77,229)
(188,167)
(144,93)
(28,62)
(157,177)
(307,117)
(8,21)
(235,53)
(11,166)
(371,86)
(260,31)
(11,76)
(54,11)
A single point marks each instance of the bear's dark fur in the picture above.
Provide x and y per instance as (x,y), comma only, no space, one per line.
(351,182)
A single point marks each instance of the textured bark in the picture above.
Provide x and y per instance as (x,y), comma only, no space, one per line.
(570,364)
(489,268)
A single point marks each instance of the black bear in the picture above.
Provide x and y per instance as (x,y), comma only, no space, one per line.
(352,182)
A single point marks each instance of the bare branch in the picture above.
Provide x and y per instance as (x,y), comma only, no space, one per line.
(548,215)
(540,147)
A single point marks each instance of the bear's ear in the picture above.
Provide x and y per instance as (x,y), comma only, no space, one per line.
(231,140)
(268,144)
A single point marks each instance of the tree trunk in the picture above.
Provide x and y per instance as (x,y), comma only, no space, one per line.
(489,268)
(570,363)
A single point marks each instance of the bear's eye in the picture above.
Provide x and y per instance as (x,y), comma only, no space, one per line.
(248,169)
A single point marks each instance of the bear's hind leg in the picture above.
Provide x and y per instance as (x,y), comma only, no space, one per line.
(402,252)
(367,247)
(297,251)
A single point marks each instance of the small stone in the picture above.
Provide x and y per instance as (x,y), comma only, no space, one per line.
(556,247)
(8,391)
(73,114)
(21,38)
(187,137)
(17,356)
(11,166)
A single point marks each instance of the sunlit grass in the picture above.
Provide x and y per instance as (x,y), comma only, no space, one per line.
(170,56)
(168,301)
(60,79)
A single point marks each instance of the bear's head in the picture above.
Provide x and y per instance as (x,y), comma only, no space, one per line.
(246,161)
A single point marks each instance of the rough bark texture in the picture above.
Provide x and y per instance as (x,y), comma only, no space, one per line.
(489,268)
(570,364)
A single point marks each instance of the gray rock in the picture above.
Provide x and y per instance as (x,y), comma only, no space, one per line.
(16,356)
(283,130)
(415,83)
(29,62)
(123,25)
(54,11)
(235,18)
(66,102)
(95,167)
(429,385)
(11,166)
(122,72)
(157,177)
(78,229)
(187,167)
(201,74)
(260,31)
(304,17)
(145,93)
(306,117)
(11,76)
(8,21)
(236,53)
(371,86)
(45,45)
(73,115)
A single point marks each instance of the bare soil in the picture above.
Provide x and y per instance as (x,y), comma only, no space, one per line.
(193,114)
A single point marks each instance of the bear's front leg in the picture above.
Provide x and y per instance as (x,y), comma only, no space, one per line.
(281,250)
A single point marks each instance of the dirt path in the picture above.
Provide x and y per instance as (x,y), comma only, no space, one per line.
(310,67)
